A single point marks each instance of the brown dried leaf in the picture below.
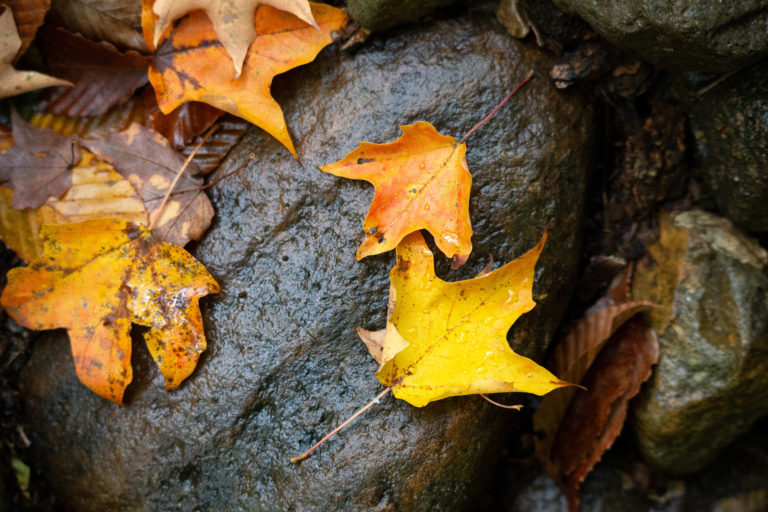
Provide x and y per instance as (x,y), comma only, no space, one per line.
(97,191)
(149,163)
(596,416)
(6,139)
(217,146)
(38,165)
(115,21)
(13,82)
(183,124)
(28,15)
(574,354)
(103,76)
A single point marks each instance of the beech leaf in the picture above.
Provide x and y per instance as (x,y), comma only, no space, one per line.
(13,82)
(448,339)
(422,182)
(190,65)
(596,415)
(232,20)
(114,21)
(28,16)
(38,164)
(574,354)
(149,163)
(183,124)
(103,76)
(94,279)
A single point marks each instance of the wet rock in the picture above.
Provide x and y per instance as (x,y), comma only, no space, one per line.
(731,134)
(686,34)
(284,364)
(383,14)
(711,382)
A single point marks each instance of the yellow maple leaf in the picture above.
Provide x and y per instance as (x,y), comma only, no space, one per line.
(448,339)
(97,277)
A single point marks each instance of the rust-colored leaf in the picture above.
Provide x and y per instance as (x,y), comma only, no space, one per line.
(232,20)
(103,76)
(114,21)
(422,182)
(97,191)
(13,82)
(28,15)
(574,353)
(38,164)
(596,415)
(94,279)
(149,163)
(183,124)
(448,339)
(192,64)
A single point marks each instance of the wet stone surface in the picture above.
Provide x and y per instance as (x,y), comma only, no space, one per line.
(711,382)
(383,14)
(284,365)
(731,133)
(695,35)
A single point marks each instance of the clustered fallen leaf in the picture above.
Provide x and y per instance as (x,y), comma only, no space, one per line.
(96,196)
(609,351)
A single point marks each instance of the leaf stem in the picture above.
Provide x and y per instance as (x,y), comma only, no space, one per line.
(180,173)
(497,404)
(335,431)
(485,120)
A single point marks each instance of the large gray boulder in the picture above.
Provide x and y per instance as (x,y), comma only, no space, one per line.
(383,14)
(730,128)
(284,364)
(711,382)
(695,35)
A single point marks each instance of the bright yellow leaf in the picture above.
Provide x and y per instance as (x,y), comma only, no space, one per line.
(447,339)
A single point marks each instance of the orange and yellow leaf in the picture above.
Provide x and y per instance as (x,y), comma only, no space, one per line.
(97,277)
(422,182)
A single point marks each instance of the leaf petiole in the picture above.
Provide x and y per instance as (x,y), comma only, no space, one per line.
(335,431)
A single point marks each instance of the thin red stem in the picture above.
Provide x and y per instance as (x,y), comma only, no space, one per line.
(335,431)
(485,120)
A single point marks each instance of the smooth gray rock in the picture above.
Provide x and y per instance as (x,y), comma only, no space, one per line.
(730,128)
(711,382)
(284,364)
(383,14)
(695,35)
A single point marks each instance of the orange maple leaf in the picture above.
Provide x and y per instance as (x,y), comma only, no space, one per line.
(95,278)
(422,182)
(193,65)
(232,20)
